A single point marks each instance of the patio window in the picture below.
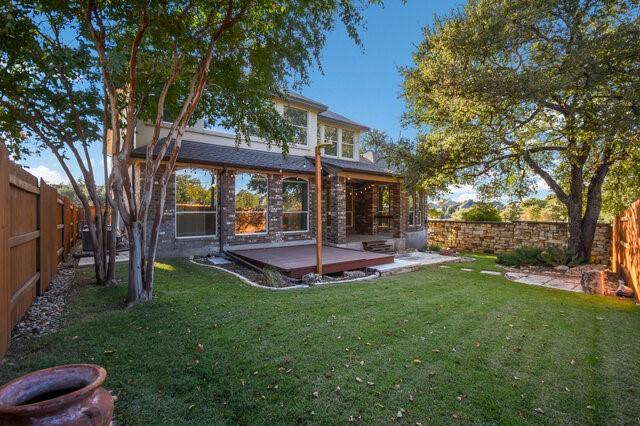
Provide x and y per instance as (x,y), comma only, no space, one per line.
(348,143)
(411,209)
(331,136)
(196,196)
(295,205)
(384,205)
(349,206)
(298,119)
(251,203)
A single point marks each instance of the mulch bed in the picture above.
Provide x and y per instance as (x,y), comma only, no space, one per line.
(259,278)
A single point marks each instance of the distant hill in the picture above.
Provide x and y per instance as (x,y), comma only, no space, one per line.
(448,207)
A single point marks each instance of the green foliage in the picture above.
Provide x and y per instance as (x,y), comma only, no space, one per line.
(273,278)
(434,213)
(434,247)
(559,255)
(479,212)
(522,256)
(515,92)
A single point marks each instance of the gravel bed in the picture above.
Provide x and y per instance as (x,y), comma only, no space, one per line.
(46,314)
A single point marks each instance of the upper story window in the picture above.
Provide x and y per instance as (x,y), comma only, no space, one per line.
(348,143)
(298,119)
(251,203)
(331,137)
(196,197)
(295,205)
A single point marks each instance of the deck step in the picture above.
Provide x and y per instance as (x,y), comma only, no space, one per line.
(377,246)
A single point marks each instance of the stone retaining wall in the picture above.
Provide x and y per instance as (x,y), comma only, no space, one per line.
(498,237)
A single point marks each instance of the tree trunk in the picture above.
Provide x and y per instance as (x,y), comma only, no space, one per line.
(138,291)
(111,268)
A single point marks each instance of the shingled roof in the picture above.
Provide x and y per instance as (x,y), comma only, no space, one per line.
(235,157)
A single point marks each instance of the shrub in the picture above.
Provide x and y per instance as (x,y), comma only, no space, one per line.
(522,256)
(274,278)
(434,247)
(560,255)
(479,212)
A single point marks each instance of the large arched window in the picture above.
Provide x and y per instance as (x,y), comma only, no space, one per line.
(295,205)
(251,203)
(196,195)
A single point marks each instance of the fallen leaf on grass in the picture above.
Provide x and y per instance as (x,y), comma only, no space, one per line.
(316,394)
(200,347)
(539,410)
(417,361)
(358,379)
(109,352)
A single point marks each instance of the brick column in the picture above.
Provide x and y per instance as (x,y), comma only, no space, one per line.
(275,208)
(399,210)
(338,229)
(227,205)
(373,208)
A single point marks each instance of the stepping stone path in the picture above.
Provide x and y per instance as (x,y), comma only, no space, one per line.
(491,272)
(567,283)
(561,283)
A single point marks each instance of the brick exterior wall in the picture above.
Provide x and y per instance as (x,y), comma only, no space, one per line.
(498,237)
(335,231)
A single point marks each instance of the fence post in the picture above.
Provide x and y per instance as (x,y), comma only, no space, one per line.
(66,235)
(615,246)
(5,233)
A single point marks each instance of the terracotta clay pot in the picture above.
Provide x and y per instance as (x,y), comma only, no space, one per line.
(64,395)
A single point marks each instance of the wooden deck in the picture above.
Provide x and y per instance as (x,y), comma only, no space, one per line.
(297,261)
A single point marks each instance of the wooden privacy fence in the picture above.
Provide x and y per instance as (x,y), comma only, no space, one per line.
(625,246)
(37,229)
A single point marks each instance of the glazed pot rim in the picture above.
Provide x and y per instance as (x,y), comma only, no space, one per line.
(57,402)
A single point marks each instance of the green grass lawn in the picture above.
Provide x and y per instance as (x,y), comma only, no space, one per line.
(443,345)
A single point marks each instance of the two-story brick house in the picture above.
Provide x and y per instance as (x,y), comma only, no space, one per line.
(223,196)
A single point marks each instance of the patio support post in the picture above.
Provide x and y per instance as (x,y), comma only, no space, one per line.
(318,165)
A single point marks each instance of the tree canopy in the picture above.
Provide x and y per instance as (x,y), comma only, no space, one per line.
(509,93)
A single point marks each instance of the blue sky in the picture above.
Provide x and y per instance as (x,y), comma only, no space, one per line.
(362,83)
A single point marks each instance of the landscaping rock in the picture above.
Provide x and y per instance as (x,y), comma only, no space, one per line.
(312,278)
(46,314)
(561,268)
(354,274)
(599,282)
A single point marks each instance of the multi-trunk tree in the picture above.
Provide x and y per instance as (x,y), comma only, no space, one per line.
(175,62)
(511,93)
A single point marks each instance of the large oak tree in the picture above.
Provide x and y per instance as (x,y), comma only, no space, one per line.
(510,92)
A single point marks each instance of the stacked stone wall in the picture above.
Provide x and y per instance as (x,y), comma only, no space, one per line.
(499,237)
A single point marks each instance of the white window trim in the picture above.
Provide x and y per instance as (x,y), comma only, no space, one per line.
(353,157)
(308,212)
(306,129)
(338,137)
(176,213)
(235,212)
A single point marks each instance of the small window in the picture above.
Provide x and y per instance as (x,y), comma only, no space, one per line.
(196,213)
(349,206)
(412,209)
(298,119)
(331,137)
(384,205)
(348,143)
(295,205)
(251,203)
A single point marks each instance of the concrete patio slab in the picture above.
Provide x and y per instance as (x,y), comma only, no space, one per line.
(88,261)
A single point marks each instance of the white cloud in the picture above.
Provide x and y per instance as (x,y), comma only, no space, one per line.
(465,196)
(462,193)
(49,175)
